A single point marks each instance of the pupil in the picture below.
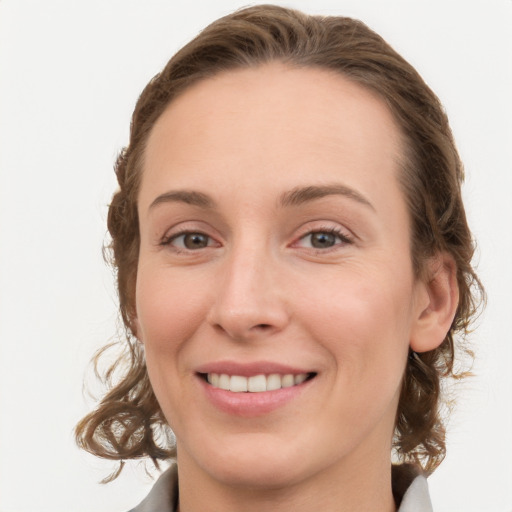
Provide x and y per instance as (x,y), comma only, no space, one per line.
(195,241)
(322,240)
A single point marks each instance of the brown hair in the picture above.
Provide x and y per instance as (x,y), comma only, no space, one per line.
(128,422)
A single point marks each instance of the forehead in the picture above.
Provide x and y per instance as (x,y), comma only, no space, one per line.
(273,121)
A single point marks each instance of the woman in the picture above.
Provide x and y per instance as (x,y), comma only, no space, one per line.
(293,264)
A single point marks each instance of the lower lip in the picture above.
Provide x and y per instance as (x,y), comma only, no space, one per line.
(252,404)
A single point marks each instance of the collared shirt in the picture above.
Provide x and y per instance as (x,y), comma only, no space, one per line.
(163,497)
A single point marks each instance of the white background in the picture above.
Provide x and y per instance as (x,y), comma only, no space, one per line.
(70,73)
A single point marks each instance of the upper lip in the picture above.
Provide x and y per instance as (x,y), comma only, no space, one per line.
(250,369)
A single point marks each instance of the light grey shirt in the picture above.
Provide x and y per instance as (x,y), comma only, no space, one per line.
(163,497)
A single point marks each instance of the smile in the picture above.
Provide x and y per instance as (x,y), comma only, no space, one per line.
(256,383)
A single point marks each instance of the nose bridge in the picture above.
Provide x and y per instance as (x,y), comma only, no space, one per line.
(249,299)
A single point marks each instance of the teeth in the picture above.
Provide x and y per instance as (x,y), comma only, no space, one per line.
(224,381)
(287,381)
(213,379)
(273,382)
(238,384)
(300,378)
(256,383)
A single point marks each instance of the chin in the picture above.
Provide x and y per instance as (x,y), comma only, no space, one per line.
(254,464)
(262,474)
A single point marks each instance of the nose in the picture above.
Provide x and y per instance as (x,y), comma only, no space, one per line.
(251,302)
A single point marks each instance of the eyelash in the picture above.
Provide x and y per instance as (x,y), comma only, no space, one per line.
(342,237)
(168,240)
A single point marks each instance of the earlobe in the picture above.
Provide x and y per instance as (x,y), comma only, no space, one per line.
(437,310)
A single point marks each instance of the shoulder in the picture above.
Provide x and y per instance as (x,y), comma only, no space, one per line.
(163,497)
(416,497)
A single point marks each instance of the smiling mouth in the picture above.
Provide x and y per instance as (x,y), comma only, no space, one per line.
(257,383)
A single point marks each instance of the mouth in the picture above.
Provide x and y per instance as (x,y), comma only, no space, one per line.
(259,383)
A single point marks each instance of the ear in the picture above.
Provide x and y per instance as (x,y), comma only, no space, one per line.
(135,328)
(437,303)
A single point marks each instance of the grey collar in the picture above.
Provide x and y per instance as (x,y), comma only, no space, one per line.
(163,497)
(416,498)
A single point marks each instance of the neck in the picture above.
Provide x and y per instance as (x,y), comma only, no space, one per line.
(360,485)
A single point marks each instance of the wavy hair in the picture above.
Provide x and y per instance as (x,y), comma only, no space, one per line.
(128,422)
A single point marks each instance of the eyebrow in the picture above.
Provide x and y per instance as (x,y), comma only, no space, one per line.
(184,196)
(301,195)
(294,197)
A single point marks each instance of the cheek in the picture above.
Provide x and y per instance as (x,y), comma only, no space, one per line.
(168,309)
(363,319)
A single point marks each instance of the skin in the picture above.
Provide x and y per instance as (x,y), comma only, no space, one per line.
(259,290)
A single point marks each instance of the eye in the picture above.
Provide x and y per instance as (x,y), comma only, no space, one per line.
(189,241)
(323,239)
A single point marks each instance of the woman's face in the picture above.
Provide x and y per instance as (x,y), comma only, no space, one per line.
(275,255)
